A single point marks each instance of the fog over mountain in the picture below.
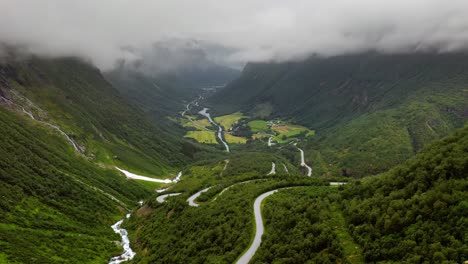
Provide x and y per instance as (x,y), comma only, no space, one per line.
(257,30)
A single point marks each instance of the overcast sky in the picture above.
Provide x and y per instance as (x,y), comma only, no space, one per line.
(258,29)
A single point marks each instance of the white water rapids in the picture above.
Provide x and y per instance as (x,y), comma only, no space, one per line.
(128,253)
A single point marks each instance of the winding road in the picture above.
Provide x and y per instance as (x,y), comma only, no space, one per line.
(273,169)
(270,142)
(191,199)
(303,164)
(259,229)
(162,198)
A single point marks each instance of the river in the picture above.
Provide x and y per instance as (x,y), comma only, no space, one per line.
(205,113)
(128,253)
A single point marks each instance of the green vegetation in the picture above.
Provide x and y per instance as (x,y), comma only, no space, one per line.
(219,230)
(197,124)
(299,228)
(54,206)
(369,118)
(207,137)
(57,205)
(230,139)
(258,126)
(75,96)
(417,212)
(228,121)
(286,132)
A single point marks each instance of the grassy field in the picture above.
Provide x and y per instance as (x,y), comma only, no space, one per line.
(234,140)
(260,136)
(290,131)
(258,125)
(227,121)
(198,124)
(207,137)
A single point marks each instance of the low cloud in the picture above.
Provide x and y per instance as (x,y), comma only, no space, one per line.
(253,30)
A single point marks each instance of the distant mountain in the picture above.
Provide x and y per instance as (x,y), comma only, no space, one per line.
(167,74)
(371,111)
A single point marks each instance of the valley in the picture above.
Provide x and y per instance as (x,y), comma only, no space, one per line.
(235,132)
(226,187)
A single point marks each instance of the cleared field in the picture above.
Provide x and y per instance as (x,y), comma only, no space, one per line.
(227,121)
(234,140)
(260,136)
(207,137)
(290,131)
(198,124)
(258,125)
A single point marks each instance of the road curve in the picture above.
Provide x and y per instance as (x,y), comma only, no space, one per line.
(162,198)
(303,164)
(191,199)
(230,186)
(273,169)
(259,229)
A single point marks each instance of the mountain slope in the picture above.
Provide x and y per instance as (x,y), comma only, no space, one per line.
(370,111)
(74,96)
(418,211)
(56,206)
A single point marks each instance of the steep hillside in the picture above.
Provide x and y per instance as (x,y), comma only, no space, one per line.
(370,111)
(75,97)
(56,207)
(417,212)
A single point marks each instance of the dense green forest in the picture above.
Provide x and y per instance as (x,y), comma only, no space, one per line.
(417,212)
(220,229)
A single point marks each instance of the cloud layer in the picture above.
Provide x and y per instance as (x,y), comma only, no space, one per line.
(256,30)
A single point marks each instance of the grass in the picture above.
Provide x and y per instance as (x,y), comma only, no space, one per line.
(234,139)
(290,131)
(151,185)
(260,136)
(258,125)
(352,251)
(207,137)
(198,124)
(227,121)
